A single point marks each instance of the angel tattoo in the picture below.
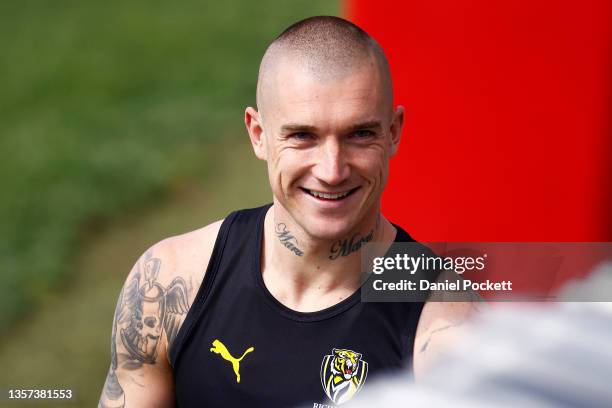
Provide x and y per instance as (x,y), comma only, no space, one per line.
(150,310)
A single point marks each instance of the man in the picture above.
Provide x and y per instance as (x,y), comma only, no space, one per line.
(263,308)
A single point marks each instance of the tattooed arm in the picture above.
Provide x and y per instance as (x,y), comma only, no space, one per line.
(441,323)
(150,311)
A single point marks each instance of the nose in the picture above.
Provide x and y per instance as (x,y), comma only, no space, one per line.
(332,167)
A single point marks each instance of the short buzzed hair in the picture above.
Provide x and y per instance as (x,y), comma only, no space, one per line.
(327,47)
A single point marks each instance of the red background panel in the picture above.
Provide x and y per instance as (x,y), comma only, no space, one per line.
(508,133)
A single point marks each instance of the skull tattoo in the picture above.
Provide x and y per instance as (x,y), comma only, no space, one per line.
(151,310)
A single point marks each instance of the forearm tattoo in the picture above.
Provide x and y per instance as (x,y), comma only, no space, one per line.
(289,241)
(145,311)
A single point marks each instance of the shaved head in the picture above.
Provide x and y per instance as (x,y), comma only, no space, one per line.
(326,127)
(325,48)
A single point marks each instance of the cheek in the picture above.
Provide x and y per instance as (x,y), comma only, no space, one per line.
(372,164)
(285,167)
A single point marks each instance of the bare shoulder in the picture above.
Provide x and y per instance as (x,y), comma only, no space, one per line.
(151,309)
(185,256)
(165,279)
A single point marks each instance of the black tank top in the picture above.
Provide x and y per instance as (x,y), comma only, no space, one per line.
(240,347)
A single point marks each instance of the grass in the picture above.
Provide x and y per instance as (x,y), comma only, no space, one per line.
(103,105)
(66,344)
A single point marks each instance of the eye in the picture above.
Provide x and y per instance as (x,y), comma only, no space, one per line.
(301,136)
(362,134)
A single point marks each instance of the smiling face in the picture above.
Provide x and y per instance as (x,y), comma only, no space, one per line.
(327,143)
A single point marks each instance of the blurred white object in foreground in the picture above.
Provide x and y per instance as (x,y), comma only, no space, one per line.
(537,355)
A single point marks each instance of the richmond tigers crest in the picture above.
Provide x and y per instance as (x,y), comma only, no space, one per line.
(343,373)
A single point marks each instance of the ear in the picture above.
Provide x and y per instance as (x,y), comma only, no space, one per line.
(252,121)
(397,124)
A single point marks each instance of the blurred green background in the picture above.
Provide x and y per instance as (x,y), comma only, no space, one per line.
(120,124)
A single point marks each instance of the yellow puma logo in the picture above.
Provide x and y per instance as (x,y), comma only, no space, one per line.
(219,348)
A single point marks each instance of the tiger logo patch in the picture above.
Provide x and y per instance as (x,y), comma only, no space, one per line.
(343,374)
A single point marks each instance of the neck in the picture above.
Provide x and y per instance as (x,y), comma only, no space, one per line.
(307,273)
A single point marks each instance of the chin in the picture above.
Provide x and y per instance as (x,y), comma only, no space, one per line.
(326,229)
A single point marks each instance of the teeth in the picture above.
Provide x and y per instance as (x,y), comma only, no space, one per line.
(328,196)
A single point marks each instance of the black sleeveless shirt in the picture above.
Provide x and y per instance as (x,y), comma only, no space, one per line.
(240,347)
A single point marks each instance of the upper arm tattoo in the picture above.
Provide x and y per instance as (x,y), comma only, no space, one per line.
(146,311)
(474,307)
(149,311)
(439,329)
(112,394)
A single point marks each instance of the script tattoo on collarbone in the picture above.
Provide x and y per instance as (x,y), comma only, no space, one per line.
(344,247)
(289,241)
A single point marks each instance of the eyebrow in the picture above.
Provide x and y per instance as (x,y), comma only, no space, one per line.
(372,124)
(296,127)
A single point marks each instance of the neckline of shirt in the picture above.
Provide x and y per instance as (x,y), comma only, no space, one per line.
(285,311)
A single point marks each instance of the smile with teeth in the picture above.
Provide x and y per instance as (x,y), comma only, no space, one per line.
(329,196)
